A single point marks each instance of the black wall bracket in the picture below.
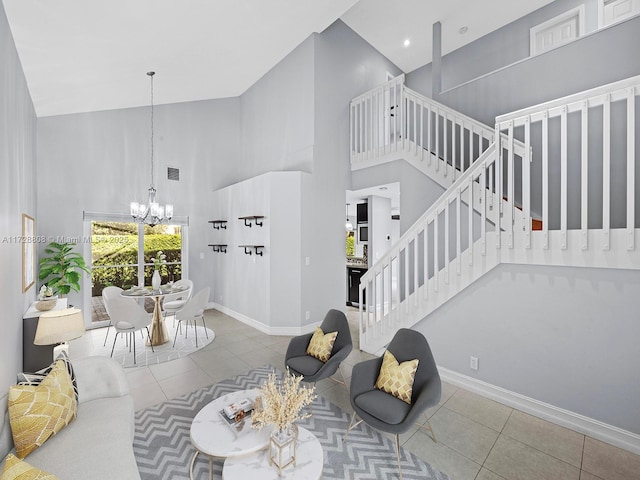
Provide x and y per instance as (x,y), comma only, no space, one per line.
(250,249)
(257,219)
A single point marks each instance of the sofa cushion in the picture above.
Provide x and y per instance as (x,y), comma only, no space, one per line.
(321,344)
(16,469)
(96,446)
(383,406)
(397,378)
(305,365)
(25,378)
(38,412)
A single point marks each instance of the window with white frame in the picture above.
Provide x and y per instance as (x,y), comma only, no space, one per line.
(558,31)
(613,11)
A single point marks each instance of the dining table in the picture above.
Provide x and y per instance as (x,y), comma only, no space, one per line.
(158,334)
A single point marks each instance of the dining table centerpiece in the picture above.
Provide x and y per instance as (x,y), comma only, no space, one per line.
(280,405)
(159,262)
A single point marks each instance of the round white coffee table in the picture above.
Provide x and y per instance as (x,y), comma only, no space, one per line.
(309,463)
(211,435)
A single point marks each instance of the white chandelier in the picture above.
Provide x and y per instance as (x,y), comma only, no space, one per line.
(151,213)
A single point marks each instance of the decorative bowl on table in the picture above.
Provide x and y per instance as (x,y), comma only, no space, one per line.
(46,304)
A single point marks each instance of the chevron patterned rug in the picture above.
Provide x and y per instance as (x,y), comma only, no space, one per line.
(163,449)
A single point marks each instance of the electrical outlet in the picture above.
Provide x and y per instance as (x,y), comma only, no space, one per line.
(307,315)
(307,261)
(201,255)
(473,363)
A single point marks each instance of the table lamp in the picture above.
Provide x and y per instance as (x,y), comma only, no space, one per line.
(58,327)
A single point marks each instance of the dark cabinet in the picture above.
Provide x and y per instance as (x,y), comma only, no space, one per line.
(362,213)
(353,285)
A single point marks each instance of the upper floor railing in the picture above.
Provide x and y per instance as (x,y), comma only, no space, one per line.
(393,118)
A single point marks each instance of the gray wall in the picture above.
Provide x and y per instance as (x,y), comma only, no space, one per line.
(505,86)
(564,336)
(345,66)
(540,331)
(417,191)
(100,161)
(277,118)
(296,118)
(266,288)
(17,196)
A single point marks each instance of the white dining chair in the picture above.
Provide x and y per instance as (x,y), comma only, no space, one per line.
(192,311)
(108,293)
(173,302)
(128,317)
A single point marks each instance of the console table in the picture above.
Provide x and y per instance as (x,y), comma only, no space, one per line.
(36,357)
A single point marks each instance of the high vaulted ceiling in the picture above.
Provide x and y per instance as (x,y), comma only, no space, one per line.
(88,55)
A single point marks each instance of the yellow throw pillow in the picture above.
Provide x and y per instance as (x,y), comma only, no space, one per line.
(38,412)
(321,344)
(16,469)
(397,378)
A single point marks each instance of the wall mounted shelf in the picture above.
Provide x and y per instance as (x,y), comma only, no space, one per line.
(218,224)
(258,249)
(252,218)
(219,248)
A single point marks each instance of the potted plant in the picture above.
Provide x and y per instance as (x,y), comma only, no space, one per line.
(60,269)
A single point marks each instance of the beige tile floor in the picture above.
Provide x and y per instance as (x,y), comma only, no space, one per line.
(477,438)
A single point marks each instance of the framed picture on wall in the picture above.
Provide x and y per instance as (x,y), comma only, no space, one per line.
(28,252)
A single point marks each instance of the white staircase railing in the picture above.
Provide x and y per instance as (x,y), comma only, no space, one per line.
(583,174)
(392,121)
(578,152)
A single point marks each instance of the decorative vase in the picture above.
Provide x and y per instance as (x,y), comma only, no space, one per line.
(282,447)
(156,280)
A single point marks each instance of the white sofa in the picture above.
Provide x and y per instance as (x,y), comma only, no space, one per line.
(98,444)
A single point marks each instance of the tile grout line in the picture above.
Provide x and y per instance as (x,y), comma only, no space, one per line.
(500,434)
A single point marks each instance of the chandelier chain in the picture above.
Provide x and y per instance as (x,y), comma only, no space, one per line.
(151,74)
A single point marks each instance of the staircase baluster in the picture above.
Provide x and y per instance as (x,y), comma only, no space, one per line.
(606,171)
(458,224)
(563,178)
(526,183)
(470,219)
(446,241)
(483,209)
(631,171)
(584,184)
(421,130)
(511,200)
(545,180)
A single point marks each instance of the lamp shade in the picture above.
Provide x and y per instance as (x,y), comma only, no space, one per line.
(57,326)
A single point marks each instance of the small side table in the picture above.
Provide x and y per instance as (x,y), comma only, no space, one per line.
(36,357)
(309,462)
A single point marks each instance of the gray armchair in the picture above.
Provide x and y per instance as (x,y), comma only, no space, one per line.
(382,410)
(310,368)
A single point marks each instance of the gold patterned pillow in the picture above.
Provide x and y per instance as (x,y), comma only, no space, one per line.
(38,412)
(397,378)
(16,469)
(321,344)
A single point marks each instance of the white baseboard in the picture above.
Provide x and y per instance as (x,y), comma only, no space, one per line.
(585,425)
(269,330)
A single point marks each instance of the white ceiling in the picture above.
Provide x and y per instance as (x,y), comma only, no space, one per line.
(88,55)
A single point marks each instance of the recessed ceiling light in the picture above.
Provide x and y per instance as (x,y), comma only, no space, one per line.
(407,42)
(463,30)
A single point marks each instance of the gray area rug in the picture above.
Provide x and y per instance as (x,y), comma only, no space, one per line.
(93,343)
(163,449)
